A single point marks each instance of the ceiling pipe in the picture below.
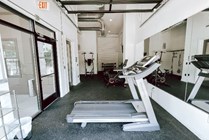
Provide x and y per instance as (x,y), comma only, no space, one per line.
(92,15)
(101,28)
(86,17)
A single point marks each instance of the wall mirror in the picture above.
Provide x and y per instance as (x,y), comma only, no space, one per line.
(178,47)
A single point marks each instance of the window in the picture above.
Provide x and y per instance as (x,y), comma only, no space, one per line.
(46,59)
(11,57)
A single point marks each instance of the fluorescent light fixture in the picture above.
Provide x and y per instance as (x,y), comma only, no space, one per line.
(110,19)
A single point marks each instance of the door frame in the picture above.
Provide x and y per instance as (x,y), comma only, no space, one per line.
(46,102)
(70,75)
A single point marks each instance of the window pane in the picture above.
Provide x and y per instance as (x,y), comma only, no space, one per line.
(48,85)
(13,67)
(44,31)
(45,58)
(10,17)
(25,86)
(9,47)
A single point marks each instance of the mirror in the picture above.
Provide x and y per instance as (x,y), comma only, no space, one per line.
(169,44)
(177,47)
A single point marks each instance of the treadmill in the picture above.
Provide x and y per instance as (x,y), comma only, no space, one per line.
(202,63)
(137,113)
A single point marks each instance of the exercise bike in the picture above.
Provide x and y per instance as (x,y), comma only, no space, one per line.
(159,77)
(112,77)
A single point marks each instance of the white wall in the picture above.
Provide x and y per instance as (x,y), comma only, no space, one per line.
(129,37)
(139,51)
(196,33)
(70,34)
(171,13)
(63,29)
(120,55)
(196,120)
(109,50)
(88,43)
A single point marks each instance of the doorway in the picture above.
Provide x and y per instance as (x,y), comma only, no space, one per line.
(206,47)
(69,62)
(47,64)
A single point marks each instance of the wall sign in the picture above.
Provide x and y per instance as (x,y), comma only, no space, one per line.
(43,5)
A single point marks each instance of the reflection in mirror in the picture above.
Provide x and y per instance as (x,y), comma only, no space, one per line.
(206,47)
(179,46)
(197,48)
(198,95)
(169,44)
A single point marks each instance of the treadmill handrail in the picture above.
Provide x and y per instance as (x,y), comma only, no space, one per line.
(143,73)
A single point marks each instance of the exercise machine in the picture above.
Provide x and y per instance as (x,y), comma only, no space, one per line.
(175,55)
(112,77)
(159,77)
(89,63)
(202,63)
(138,112)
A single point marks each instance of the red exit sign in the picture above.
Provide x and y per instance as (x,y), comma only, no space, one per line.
(43,5)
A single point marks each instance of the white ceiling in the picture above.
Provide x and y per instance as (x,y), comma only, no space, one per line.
(116,25)
(110,9)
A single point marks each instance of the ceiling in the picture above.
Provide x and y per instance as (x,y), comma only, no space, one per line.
(111,6)
(106,15)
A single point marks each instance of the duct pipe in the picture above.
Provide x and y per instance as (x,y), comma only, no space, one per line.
(102,28)
(92,16)
(87,17)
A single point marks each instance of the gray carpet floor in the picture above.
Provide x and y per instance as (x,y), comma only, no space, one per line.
(51,124)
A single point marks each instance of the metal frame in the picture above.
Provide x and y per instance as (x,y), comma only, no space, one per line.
(54,96)
(110,3)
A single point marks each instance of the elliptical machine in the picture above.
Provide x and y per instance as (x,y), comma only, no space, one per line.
(89,63)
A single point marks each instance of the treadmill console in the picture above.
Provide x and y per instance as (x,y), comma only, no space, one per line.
(201,61)
(141,65)
(147,60)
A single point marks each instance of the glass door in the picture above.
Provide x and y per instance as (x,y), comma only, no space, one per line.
(48,73)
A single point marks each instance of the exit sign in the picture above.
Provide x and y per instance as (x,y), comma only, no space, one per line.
(43,5)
